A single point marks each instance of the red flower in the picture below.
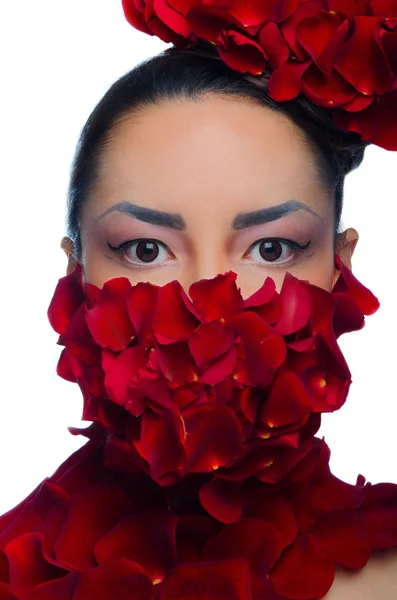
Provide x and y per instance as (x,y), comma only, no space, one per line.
(227,386)
(90,531)
(340,54)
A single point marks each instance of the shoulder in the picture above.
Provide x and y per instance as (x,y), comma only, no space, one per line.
(378,579)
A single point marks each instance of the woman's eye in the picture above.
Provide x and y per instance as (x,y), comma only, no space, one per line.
(141,252)
(270,250)
(276,250)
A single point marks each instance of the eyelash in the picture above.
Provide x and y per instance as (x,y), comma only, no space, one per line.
(298,248)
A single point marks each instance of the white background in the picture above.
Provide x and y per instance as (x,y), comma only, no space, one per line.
(58,59)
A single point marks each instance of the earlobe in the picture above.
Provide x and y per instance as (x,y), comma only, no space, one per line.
(68,247)
(345,245)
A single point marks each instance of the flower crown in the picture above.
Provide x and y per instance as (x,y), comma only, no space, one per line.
(339,54)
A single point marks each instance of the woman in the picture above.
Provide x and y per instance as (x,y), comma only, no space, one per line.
(242,183)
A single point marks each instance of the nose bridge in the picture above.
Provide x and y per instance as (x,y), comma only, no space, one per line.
(209,258)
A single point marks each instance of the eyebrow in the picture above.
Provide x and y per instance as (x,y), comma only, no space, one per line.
(176,221)
(273,213)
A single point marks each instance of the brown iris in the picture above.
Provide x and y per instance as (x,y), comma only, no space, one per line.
(271,250)
(147,251)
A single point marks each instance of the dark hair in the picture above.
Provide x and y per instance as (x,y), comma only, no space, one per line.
(179,73)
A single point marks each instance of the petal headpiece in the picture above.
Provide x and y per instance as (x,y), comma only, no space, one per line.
(339,54)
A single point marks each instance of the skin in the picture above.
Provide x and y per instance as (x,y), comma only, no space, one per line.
(209,161)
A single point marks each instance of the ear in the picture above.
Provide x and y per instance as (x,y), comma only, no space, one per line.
(346,243)
(68,247)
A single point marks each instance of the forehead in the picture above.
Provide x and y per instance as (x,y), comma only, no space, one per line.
(214,149)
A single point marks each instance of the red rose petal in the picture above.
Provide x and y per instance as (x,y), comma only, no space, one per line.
(384,8)
(222,500)
(174,20)
(141,303)
(286,81)
(119,579)
(379,513)
(177,364)
(274,45)
(349,284)
(213,437)
(304,570)
(161,442)
(351,8)
(329,493)
(28,566)
(329,90)
(61,589)
(285,458)
(241,53)
(362,61)
(64,367)
(322,308)
(146,537)
(80,342)
(297,306)
(262,587)
(191,535)
(267,461)
(359,103)
(388,41)
(254,539)
(347,315)
(171,300)
(92,513)
(221,369)
(165,33)
(263,295)
(322,37)
(134,16)
(364,122)
(108,320)
(223,580)
(377,123)
(259,501)
(217,298)
(341,534)
(5,592)
(256,12)
(290,27)
(22,518)
(201,343)
(208,20)
(288,401)
(264,350)
(385,125)
(119,370)
(68,296)
(4,568)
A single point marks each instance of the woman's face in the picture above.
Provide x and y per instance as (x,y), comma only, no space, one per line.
(194,189)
